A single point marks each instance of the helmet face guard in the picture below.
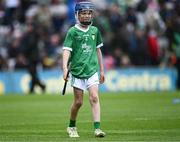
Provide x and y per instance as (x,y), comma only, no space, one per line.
(84,6)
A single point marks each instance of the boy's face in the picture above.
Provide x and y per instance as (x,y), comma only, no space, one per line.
(85,16)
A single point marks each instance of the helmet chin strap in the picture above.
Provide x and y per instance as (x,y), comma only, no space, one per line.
(86,23)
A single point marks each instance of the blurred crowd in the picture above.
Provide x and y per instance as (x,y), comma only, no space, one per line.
(135,32)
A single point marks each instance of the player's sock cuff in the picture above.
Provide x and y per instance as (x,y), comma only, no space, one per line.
(96,125)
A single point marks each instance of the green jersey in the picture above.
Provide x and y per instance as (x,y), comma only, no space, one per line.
(83,44)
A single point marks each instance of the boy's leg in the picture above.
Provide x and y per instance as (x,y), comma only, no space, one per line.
(95,104)
(77,103)
(94,101)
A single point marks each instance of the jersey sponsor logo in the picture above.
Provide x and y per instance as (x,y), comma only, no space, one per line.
(86,48)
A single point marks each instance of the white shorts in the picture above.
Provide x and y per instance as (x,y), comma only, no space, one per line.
(84,84)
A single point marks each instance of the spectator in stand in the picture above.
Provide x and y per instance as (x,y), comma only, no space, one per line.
(43,17)
(52,51)
(59,11)
(11,10)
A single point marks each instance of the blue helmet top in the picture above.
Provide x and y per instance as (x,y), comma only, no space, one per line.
(84,6)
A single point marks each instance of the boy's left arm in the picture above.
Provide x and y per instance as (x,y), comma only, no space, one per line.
(100,60)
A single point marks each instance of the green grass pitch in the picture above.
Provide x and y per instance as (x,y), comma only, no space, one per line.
(133,116)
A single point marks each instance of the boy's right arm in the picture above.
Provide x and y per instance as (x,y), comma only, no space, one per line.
(66,55)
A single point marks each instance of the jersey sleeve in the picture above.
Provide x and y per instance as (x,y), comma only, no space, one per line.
(99,40)
(68,41)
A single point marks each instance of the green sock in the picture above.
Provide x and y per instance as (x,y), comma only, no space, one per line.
(96,125)
(72,123)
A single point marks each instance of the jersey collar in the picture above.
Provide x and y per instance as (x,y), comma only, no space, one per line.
(81,29)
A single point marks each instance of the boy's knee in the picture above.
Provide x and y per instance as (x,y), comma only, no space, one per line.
(94,99)
(79,103)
